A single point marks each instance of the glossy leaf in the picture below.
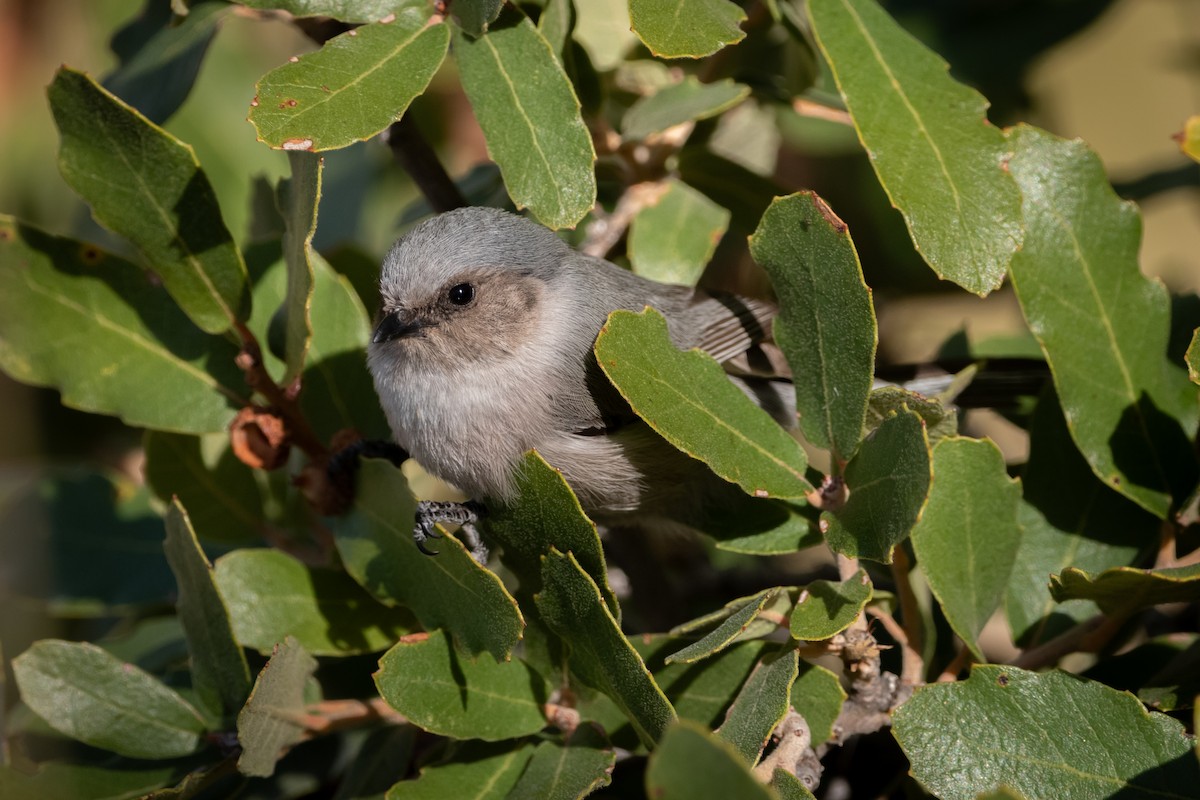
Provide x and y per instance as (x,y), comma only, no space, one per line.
(97,329)
(271,595)
(445,693)
(686,28)
(344,10)
(1044,735)
(940,162)
(732,628)
(817,695)
(686,101)
(356,85)
(692,764)
(206,476)
(546,515)
(888,481)
(672,239)
(89,695)
(968,535)
(1069,518)
(600,655)
(450,591)
(760,705)
(826,323)
(1102,324)
(219,671)
(298,199)
(272,722)
(473,771)
(1123,590)
(689,401)
(475,15)
(147,186)
(826,608)
(573,768)
(159,63)
(530,117)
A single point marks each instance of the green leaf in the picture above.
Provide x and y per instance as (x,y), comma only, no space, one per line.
(205,475)
(1102,324)
(1048,735)
(220,674)
(83,692)
(817,695)
(56,780)
(530,117)
(271,595)
(298,198)
(686,28)
(688,399)
(760,705)
(344,10)
(1069,519)
(1193,357)
(788,787)
(826,608)
(686,101)
(546,515)
(600,656)
(475,15)
(885,401)
(692,764)
(472,771)
(578,765)
(450,695)
(826,323)
(1190,141)
(556,23)
(735,627)
(272,721)
(968,535)
(762,527)
(98,329)
(672,239)
(147,186)
(1123,590)
(450,591)
(888,481)
(940,162)
(356,85)
(159,65)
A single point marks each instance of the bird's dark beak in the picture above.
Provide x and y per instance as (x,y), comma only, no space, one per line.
(396,324)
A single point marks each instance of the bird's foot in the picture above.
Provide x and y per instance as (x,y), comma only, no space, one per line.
(465,515)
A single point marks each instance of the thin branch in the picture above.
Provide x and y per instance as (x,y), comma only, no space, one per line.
(299,431)
(815,110)
(604,232)
(960,662)
(414,153)
(1087,637)
(913,671)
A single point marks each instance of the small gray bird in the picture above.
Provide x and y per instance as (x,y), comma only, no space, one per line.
(484,351)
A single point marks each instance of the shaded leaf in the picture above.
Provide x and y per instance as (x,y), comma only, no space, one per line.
(1102,324)
(788,786)
(746,194)
(219,671)
(692,764)
(968,535)
(817,695)
(688,399)
(733,628)
(826,608)
(56,780)
(271,595)
(672,239)
(384,758)
(555,23)
(686,28)
(1044,735)
(1193,358)
(451,695)
(885,401)
(826,323)
(472,771)
(147,186)
(1123,590)
(159,62)
(530,117)
(89,695)
(298,196)
(763,527)
(272,720)
(573,768)
(940,162)
(356,85)
(888,480)
(97,329)
(475,15)
(600,655)
(205,475)
(450,591)
(344,10)
(760,705)
(686,101)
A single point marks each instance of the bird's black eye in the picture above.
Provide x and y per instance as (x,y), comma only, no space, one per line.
(461,294)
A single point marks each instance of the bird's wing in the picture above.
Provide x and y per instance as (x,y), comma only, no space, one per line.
(736,331)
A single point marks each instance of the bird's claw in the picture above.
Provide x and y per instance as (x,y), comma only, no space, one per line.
(465,515)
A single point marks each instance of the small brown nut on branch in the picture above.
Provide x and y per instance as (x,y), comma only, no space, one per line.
(259,438)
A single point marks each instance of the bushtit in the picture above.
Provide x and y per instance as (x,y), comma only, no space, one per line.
(484,351)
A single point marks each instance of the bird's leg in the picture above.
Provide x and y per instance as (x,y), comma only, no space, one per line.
(465,515)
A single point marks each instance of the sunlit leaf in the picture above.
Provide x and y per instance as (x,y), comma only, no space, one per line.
(1123,590)
(826,608)
(686,28)
(672,239)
